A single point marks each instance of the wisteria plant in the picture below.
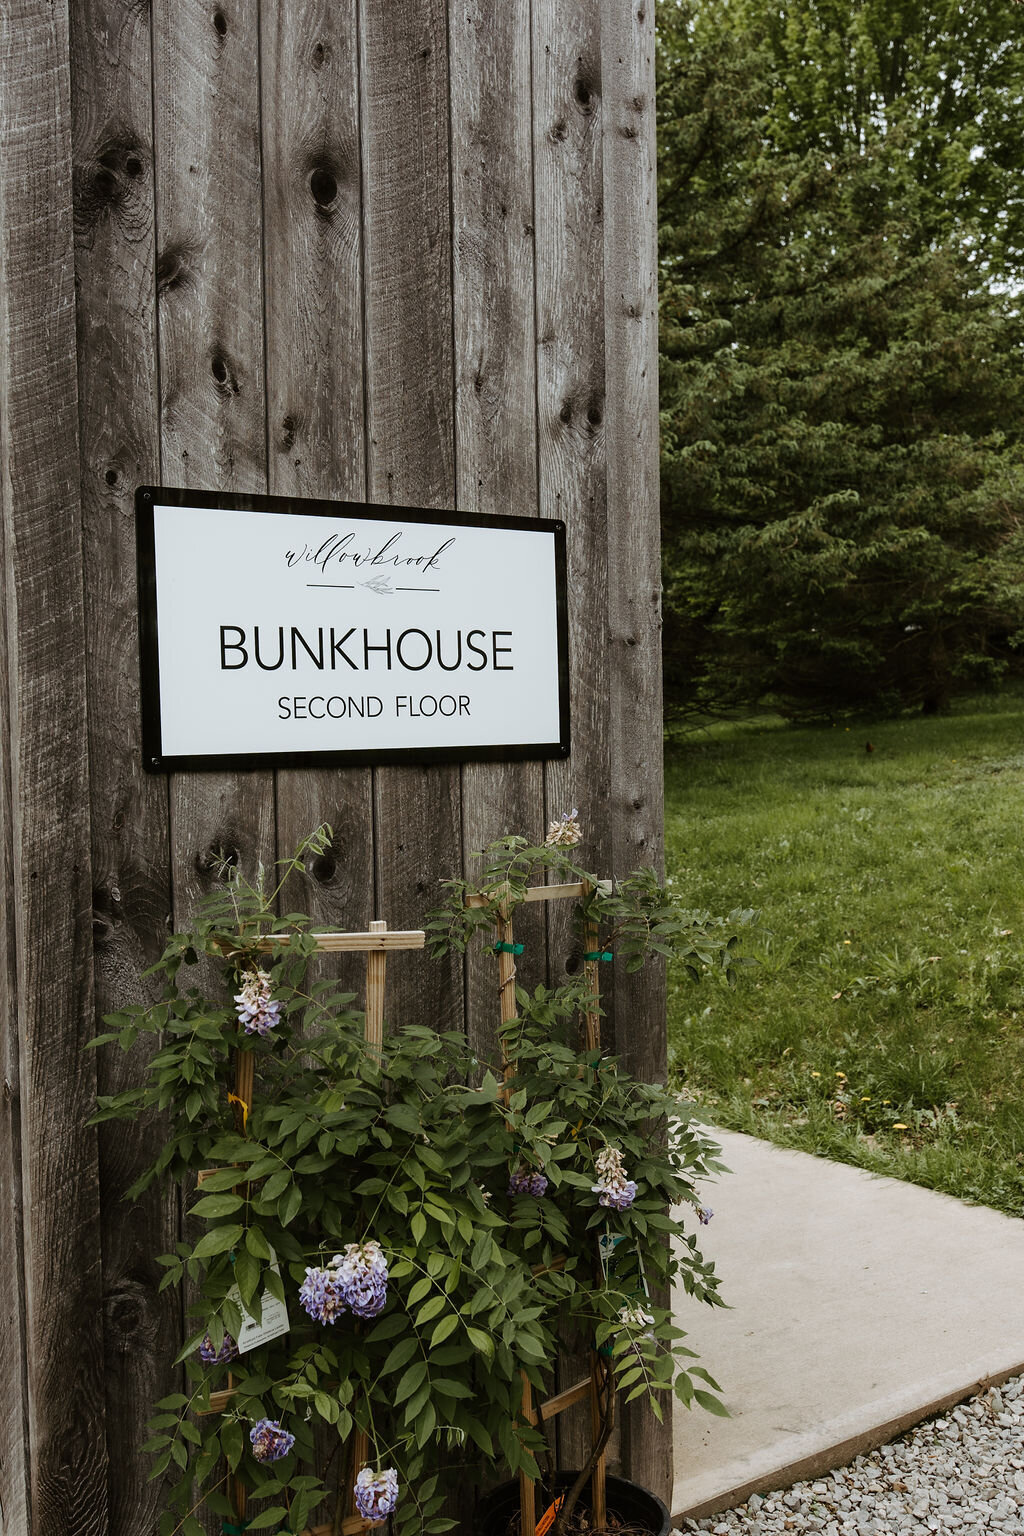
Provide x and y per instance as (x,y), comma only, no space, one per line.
(602,1199)
(429,1226)
(354,1187)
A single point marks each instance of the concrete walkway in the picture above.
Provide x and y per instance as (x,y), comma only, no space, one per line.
(860,1306)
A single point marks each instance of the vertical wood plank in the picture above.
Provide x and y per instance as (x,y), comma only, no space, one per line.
(569,202)
(634,571)
(209,267)
(315,397)
(211,355)
(409,379)
(47,962)
(495,385)
(119,429)
(569,199)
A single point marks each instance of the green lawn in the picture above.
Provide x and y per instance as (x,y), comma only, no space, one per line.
(884,1022)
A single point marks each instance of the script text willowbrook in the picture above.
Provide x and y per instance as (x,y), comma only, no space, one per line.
(336,549)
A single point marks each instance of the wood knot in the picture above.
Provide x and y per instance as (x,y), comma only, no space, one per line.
(111,476)
(318,55)
(287,439)
(594,414)
(559,129)
(227,383)
(172,269)
(565,412)
(220,23)
(324,867)
(583,90)
(323,185)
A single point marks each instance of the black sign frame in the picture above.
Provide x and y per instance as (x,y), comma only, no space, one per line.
(154,760)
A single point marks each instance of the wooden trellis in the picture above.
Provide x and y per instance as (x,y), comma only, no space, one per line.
(376,943)
(588,1386)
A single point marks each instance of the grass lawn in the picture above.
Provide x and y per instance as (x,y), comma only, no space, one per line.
(884,1022)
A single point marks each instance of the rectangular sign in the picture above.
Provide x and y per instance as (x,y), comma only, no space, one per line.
(281,632)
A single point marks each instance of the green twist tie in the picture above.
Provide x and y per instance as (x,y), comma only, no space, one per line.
(501,948)
(598,954)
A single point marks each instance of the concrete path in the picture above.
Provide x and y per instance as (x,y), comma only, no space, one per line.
(860,1306)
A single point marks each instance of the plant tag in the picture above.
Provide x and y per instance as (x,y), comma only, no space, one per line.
(273,1323)
(607,1246)
(547,1519)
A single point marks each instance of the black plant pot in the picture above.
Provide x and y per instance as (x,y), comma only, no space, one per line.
(632,1504)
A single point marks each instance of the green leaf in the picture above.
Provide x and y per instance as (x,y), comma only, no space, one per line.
(268,1517)
(219,1240)
(217,1205)
(418,1227)
(445,1327)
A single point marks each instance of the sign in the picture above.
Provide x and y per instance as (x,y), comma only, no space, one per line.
(276,632)
(273,1316)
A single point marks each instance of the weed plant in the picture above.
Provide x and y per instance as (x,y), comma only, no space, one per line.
(885,1024)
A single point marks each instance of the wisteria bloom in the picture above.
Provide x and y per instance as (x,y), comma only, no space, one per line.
(525,1183)
(613,1188)
(704,1215)
(321,1294)
(269,1441)
(637,1320)
(363,1278)
(376,1493)
(566,832)
(258,1012)
(210,1356)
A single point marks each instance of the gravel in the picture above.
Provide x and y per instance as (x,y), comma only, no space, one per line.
(961,1473)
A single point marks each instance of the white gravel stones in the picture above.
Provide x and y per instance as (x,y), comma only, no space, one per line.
(962,1473)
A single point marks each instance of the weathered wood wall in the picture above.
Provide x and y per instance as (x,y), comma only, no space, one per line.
(393,250)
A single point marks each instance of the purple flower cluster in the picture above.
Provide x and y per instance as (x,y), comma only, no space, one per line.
(524,1183)
(376,1493)
(320,1294)
(210,1356)
(356,1280)
(704,1215)
(363,1272)
(613,1188)
(269,1441)
(258,1012)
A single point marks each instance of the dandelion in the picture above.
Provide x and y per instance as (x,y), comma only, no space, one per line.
(614,1189)
(363,1278)
(321,1294)
(566,832)
(258,1012)
(269,1441)
(210,1356)
(376,1493)
(525,1183)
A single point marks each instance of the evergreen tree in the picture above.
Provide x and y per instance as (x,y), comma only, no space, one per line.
(843,475)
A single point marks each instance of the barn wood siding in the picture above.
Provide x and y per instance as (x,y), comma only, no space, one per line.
(396,253)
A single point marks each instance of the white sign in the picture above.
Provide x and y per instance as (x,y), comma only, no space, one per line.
(279,632)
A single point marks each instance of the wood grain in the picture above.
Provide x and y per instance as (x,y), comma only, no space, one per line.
(209,267)
(495,391)
(409,426)
(119,427)
(571,403)
(634,566)
(52,1182)
(211,359)
(315,395)
(569,202)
